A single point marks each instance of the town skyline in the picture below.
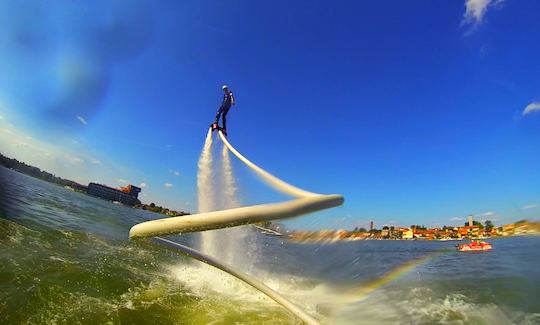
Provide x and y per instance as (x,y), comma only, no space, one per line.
(467,231)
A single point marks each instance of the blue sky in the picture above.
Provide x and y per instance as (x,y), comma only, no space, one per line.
(418,112)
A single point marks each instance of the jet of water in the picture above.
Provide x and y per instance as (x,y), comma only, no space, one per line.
(230,189)
(233,245)
(205,193)
(238,241)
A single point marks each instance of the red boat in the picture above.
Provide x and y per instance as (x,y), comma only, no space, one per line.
(475,245)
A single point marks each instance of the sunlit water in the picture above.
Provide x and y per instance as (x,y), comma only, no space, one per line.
(66,258)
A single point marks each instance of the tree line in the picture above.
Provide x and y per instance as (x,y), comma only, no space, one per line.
(21,167)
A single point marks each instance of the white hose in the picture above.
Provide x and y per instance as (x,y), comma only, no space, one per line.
(272,180)
(235,217)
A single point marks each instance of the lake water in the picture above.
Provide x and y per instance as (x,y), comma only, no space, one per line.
(65,258)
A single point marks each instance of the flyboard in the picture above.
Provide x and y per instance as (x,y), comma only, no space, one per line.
(304,203)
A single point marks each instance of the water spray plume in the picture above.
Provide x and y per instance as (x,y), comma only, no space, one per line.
(204,177)
(229,183)
(205,193)
(238,242)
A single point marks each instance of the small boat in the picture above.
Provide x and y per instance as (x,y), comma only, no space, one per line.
(475,245)
(267,231)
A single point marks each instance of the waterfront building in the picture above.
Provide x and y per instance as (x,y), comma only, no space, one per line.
(126,195)
(341,234)
(469,231)
(407,233)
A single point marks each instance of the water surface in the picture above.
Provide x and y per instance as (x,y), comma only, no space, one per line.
(65,258)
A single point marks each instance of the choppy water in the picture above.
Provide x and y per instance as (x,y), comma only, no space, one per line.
(65,258)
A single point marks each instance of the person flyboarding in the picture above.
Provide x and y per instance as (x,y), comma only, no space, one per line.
(228,101)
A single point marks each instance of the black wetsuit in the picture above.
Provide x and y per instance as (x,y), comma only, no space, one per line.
(224,108)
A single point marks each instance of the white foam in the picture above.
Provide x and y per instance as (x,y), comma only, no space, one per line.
(420,305)
(205,281)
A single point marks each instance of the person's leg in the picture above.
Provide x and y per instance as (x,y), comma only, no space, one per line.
(224,118)
(220,110)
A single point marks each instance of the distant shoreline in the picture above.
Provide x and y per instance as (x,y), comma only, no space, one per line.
(446,233)
(35,172)
(334,240)
(520,228)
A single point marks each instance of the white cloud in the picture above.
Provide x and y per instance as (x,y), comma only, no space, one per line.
(49,155)
(74,160)
(121,180)
(529,206)
(489,215)
(21,145)
(174,172)
(476,9)
(1,117)
(142,185)
(457,219)
(81,119)
(96,161)
(74,141)
(168,185)
(532,107)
